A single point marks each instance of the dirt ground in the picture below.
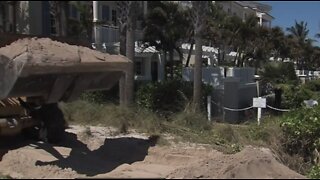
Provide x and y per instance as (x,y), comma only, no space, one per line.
(100,153)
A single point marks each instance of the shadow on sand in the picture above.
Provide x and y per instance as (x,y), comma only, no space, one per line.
(8,143)
(113,153)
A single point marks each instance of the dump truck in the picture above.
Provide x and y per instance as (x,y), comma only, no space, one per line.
(38,73)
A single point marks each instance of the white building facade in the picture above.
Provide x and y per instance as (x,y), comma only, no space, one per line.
(243,9)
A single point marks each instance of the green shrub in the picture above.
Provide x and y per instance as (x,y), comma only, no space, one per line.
(168,96)
(313,85)
(278,73)
(83,112)
(293,96)
(314,172)
(190,119)
(301,130)
(102,97)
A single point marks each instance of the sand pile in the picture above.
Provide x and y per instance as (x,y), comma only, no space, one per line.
(103,154)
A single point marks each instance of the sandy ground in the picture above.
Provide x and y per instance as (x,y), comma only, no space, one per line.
(102,154)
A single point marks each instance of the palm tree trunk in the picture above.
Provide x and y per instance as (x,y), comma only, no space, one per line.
(189,53)
(14,16)
(219,56)
(122,9)
(122,89)
(171,63)
(122,39)
(165,62)
(3,15)
(223,53)
(197,73)
(57,17)
(122,81)
(236,59)
(130,54)
(63,18)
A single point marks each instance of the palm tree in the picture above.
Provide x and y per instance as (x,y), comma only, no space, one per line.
(86,16)
(14,6)
(166,26)
(216,32)
(128,11)
(200,10)
(299,34)
(132,11)
(122,7)
(230,27)
(247,37)
(299,31)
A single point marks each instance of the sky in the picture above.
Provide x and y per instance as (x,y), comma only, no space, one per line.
(286,12)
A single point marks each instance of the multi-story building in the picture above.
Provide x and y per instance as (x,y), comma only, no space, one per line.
(36,18)
(243,9)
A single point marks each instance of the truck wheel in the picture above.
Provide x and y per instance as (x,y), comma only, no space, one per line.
(31,133)
(53,121)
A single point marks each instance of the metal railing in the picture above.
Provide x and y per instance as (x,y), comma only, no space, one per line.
(111,34)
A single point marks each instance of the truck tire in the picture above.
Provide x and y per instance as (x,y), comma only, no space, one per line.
(53,121)
(31,133)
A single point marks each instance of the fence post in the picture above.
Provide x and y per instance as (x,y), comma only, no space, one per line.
(209,107)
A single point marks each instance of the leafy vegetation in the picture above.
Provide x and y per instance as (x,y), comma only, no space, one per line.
(302,131)
(294,95)
(314,172)
(168,97)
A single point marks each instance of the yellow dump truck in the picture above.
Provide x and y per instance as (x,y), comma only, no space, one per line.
(37,73)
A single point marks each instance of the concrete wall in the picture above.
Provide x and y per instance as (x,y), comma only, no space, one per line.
(233,95)
(246,74)
(210,75)
(233,88)
(215,75)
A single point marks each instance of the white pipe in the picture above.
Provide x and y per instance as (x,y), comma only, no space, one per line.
(96,26)
(259,115)
(209,107)
(95,11)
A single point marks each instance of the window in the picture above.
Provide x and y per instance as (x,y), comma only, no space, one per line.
(105,13)
(139,66)
(229,11)
(114,17)
(73,12)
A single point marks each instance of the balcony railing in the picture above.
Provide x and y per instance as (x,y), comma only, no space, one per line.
(111,34)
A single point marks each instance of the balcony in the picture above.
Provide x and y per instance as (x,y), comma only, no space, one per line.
(111,34)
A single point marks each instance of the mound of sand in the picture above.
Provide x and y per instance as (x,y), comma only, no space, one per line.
(103,155)
(249,163)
